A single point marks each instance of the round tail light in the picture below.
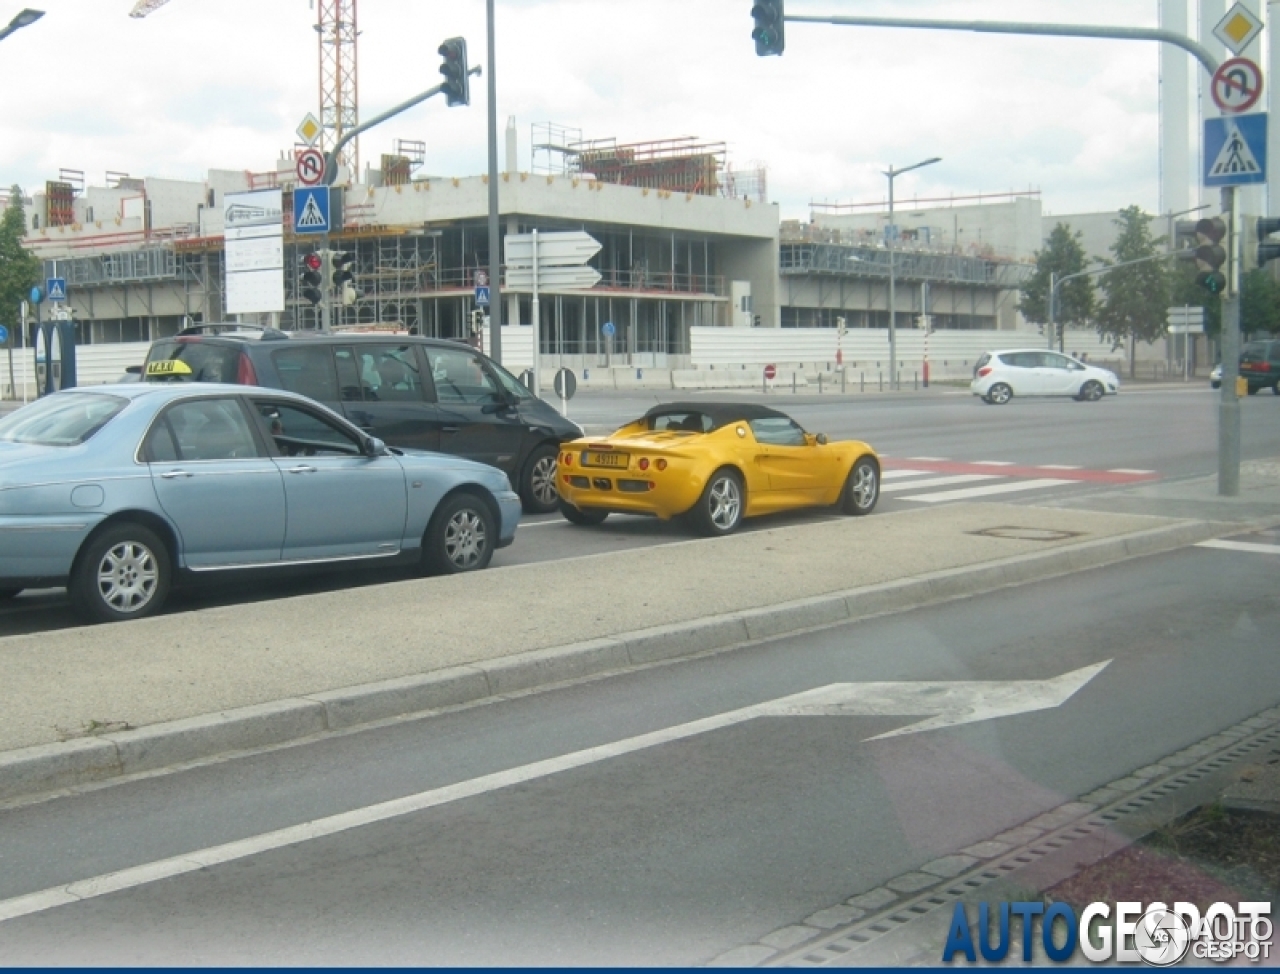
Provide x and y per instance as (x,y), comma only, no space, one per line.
(568,460)
(644,463)
(661,464)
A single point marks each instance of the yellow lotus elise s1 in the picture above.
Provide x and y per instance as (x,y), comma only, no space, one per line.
(714,464)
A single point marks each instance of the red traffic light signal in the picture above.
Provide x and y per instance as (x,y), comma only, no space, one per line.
(311,261)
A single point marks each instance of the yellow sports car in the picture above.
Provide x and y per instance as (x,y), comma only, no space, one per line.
(714,463)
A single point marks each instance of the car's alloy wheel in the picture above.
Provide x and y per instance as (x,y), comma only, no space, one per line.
(999,394)
(123,573)
(461,536)
(719,509)
(862,487)
(585,517)
(540,495)
(1091,391)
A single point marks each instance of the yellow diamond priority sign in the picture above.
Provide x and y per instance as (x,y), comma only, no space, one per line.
(309,130)
(1238,28)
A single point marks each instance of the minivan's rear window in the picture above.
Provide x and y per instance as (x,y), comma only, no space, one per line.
(175,360)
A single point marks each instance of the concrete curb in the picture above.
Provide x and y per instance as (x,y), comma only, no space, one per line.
(50,767)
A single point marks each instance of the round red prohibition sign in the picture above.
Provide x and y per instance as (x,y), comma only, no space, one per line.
(1236,85)
(310,167)
(770,372)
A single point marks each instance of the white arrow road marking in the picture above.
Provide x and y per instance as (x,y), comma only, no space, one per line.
(1253,546)
(946,703)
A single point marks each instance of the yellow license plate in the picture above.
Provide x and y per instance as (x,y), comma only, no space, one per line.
(604,459)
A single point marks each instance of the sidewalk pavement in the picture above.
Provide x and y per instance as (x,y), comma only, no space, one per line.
(80,705)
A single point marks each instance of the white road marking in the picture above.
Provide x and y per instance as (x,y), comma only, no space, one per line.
(942,703)
(1255,547)
(958,478)
(1128,470)
(1059,466)
(899,474)
(1007,487)
(994,463)
(929,459)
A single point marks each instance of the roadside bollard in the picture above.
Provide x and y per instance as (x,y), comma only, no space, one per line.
(844,381)
(882,382)
(793,383)
(862,382)
(819,383)
(915,381)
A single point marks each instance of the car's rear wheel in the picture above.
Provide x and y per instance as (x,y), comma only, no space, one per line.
(577,515)
(538,492)
(862,487)
(999,394)
(122,573)
(719,509)
(461,536)
(1091,391)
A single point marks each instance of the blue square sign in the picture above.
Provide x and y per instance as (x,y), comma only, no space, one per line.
(55,288)
(1235,150)
(482,297)
(311,209)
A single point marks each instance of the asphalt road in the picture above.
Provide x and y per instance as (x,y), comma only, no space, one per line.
(1170,431)
(677,852)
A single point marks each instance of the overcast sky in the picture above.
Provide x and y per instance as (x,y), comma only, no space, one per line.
(205,84)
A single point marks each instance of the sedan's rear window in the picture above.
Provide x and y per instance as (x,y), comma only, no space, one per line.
(190,361)
(62,420)
(681,422)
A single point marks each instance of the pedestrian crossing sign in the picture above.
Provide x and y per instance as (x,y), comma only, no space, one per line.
(1235,150)
(311,209)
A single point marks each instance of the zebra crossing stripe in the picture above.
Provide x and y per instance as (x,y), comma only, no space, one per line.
(960,478)
(899,474)
(967,493)
(1253,547)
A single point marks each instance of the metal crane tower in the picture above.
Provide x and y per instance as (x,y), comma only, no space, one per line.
(339,91)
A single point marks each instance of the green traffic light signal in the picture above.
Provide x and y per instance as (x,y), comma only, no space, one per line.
(1210,255)
(769,33)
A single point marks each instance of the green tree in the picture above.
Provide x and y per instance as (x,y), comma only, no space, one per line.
(1137,297)
(1063,255)
(19,269)
(1259,302)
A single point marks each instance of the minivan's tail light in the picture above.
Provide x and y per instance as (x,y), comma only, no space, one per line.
(985,370)
(246,374)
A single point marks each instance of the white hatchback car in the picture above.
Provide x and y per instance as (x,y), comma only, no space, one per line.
(999,376)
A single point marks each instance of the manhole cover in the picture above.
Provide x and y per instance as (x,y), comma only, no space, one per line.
(1027,534)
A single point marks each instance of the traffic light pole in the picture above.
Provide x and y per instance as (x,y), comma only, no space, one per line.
(1229,404)
(495,240)
(1055,282)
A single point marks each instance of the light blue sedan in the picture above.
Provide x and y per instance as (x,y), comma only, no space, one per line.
(113,491)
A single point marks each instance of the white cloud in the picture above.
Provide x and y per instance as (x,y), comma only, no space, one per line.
(222,83)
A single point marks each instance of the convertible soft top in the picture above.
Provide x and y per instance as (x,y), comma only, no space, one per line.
(720,413)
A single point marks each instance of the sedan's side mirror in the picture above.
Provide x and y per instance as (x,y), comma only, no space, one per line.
(821,439)
(374,447)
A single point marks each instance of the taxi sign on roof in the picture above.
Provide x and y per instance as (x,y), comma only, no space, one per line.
(168,367)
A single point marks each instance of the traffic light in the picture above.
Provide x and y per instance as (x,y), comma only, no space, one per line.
(477,321)
(311,279)
(457,85)
(1267,249)
(1210,255)
(340,273)
(768,34)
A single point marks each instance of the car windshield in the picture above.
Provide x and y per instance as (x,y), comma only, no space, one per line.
(62,420)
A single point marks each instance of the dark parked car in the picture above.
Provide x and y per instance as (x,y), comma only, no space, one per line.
(1260,365)
(410,391)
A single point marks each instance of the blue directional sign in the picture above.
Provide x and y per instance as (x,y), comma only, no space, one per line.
(4,334)
(311,209)
(37,295)
(608,330)
(55,288)
(482,297)
(1235,150)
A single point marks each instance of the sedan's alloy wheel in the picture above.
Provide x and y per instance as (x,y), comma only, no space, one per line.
(128,576)
(465,539)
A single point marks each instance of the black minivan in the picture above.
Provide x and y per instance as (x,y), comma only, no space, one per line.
(411,391)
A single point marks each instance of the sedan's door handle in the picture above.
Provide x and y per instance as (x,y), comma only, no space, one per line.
(175,474)
(302,469)
(450,429)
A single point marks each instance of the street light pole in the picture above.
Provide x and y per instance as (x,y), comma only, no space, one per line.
(24,19)
(893,276)
(495,258)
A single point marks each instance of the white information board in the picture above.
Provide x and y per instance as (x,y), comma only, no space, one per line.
(254,235)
